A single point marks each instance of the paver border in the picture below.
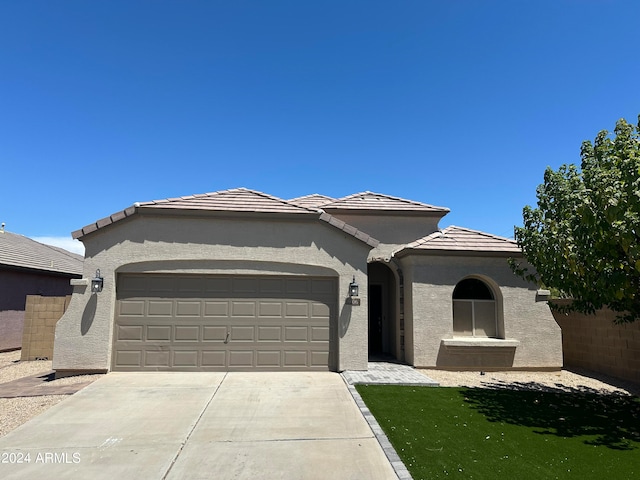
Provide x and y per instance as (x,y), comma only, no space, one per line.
(393,457)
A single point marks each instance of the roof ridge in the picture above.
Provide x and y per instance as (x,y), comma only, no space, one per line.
(456,238)
(219,193)
(254,203)
(351,230)
(313,200)
(389,197)
(61,250)
(440,233)
(188,197)
(311,195)
(480,232)
(51,247)
(278,199)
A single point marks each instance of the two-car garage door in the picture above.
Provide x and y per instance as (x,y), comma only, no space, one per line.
(190,322)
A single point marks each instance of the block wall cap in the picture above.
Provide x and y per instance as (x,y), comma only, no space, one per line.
(543,294)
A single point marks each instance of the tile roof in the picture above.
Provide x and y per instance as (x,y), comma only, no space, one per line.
(23,252)
(464,240)
(233,200)
(378,202)
(240,200)
(314,200)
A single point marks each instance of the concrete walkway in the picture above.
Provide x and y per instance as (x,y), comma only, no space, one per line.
(200,425)
(38,386)
(388,373)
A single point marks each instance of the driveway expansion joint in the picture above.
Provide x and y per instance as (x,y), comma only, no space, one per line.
(193,427)
(120,413)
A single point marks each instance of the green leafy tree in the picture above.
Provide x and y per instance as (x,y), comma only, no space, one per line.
(584,236)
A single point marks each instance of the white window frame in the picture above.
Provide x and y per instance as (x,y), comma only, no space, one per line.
(473,301)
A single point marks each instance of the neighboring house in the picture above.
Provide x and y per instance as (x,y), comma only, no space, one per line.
(30,268)
(242,280)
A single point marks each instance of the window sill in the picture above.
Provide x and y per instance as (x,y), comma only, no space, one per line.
(479,342)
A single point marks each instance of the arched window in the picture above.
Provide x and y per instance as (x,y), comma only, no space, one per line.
(474,309)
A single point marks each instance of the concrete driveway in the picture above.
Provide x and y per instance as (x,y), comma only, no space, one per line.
(200,425)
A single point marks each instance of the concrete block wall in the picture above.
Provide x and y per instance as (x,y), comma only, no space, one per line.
(40,318)
(595,343)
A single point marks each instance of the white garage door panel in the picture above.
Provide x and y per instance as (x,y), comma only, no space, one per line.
(170,322)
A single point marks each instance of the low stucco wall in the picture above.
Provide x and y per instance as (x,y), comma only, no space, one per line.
(534,337)
(40,318)
(595,343)
(210,246)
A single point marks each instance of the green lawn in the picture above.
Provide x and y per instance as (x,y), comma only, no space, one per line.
(510,434)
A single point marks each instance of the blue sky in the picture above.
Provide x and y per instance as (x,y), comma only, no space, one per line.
(455,103)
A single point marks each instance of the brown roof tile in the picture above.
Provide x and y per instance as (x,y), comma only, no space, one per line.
(92,227)
(464,240)
(23,252)
(240,200)
(234,200)
(378,202)
(314,200)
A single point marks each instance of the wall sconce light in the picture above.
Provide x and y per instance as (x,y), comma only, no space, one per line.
(353,288)
(97,282)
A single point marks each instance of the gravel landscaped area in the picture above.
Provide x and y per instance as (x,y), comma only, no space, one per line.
(561,380)
(16,411)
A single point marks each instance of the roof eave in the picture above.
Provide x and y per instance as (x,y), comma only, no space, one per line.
(390,212)
(56,273)
(103,222)
(156,210)
(230,214)
(403,252)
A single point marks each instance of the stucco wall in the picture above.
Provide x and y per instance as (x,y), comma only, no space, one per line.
(391,229)
(430,281)
(210,245)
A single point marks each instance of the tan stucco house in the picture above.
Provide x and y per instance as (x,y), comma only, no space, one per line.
(242,280)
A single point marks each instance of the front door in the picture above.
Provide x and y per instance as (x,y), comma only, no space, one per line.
(375,319)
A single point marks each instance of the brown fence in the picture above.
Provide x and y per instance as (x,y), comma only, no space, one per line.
(40,318)
(595,343)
